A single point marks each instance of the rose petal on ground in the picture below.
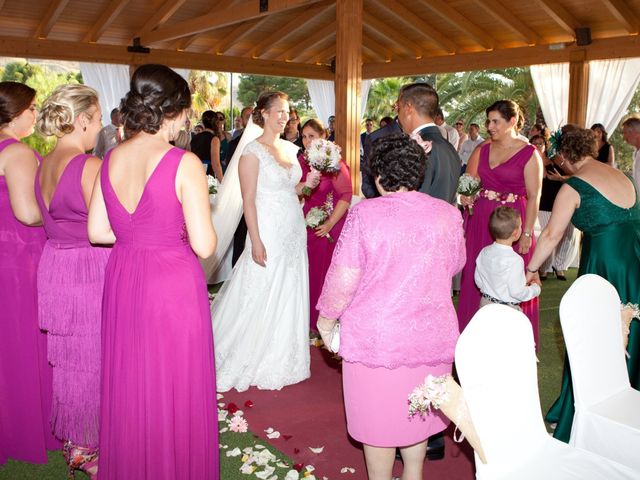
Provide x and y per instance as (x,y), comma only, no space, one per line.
(275,434)
(248,404)
(234,453)
(317,449)
(286,437)
(347,469)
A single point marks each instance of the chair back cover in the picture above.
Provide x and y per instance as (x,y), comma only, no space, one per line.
(496,365)
(590,319)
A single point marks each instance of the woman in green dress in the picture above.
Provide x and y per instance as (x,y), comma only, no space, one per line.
(602,202)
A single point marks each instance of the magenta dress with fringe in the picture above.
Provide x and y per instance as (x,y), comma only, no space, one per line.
(25,375)
(70,283)
(159,416)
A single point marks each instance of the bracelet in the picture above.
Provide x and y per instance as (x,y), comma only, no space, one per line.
(532,271)
(527,234)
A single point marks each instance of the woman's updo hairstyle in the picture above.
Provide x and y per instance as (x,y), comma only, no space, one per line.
(60,110)
(508,109)
(265,100)
(579,143)
(15,98)
(316,126)
(157,93)
(398,161)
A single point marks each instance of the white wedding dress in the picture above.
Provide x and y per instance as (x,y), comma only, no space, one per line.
(261,315)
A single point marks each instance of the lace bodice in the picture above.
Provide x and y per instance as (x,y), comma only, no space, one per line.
(274,178)
(596,211)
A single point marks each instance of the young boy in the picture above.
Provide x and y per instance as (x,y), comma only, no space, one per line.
(499,269)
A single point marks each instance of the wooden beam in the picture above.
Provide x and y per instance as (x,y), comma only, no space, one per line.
(184,42)
(326,55)
(380,50)
(504,15)
(161,15)
(309,42)
(391,36)
(442,8)
(236,35)
(106,18)
(348,83)
(291,27)
(372,55)
(409,19)
(100,53)
(600,49)
(50,17)
(311,54)
(578,89)
(247,10)
(559,15)
(623,14)
(1,4)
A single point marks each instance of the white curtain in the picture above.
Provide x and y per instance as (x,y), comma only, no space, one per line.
(364,90)
(323,97)
(612,84)
(183,72)
(552,87)
(110,81)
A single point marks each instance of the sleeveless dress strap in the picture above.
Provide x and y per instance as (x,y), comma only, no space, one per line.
(5,143)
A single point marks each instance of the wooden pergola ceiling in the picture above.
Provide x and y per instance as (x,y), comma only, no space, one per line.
(298,37)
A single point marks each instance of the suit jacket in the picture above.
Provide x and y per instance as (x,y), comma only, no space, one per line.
(368,187)
(443,166)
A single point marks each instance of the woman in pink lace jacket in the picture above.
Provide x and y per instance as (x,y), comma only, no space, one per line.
(389,284)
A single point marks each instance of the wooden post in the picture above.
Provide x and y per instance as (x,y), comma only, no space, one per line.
(578,88)
(348,82)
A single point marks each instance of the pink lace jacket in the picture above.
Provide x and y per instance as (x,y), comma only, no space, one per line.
(389,282)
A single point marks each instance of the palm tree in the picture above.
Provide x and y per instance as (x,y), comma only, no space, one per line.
(382,97)
(208,89)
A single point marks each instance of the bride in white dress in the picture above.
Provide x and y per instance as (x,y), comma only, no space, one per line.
(261,315)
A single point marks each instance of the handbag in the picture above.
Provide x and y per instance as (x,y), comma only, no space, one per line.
(335,338)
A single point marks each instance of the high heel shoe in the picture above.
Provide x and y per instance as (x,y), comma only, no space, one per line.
(559,276)
(80,458)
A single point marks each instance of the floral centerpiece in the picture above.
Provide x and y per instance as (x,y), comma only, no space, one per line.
(213,184)
(318,215)
(468,185)
(323,156)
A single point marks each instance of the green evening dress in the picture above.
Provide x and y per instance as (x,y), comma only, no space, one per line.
(611,249)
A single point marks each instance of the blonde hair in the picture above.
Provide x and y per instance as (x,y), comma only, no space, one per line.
(60,110)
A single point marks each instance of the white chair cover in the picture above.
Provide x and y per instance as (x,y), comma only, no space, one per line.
(496,364)
(607,418)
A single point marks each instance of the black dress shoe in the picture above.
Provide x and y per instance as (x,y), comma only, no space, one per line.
(558,275)
(435,453)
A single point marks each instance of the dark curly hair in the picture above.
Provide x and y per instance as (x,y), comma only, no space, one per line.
(15,98)
(157,93)
(579,143)
(265,100)
(398,161)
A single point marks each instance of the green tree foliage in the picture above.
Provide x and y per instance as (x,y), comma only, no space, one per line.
(208,90)
(44,81)
(624,151)
(251,86)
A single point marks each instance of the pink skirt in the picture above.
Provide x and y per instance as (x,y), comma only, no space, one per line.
(377,408)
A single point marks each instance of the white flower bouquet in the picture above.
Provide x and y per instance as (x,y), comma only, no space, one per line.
(468,185)
(323,155)
(318,215)
(431,394)
(213,184)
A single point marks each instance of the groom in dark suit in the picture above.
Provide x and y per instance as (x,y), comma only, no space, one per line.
(417,106)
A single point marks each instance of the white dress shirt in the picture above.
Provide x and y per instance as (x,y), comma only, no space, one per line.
(500,274)
(452,135)
(467,148)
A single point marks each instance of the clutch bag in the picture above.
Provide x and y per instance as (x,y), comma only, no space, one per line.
(335,338)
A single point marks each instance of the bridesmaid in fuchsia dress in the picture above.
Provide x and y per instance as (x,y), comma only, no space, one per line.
(334,188)
(511,174)
(25,375)
(159,415)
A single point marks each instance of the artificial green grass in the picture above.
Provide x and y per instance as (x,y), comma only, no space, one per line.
(551,357)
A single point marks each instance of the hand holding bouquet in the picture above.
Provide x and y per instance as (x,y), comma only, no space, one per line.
(322,156)
(213,184)
(319,215)
(468,185)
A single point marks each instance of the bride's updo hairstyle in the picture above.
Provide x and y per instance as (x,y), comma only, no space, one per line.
(157,94)
(265,100)
(578,144)
(60,110)
(508,109)
(398,161)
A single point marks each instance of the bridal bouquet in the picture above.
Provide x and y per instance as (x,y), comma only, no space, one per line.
(318,215)
(431,394)
(213,184)
(468,185)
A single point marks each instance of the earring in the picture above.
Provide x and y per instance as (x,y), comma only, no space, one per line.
(84,129)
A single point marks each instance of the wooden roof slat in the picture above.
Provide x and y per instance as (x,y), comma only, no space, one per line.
(291,27)
(50,17)
(247,10)
(559,15)
(507,18)
(309,55)
(443,9)
(309,42)
(236,35)
(325,55)
(409,19)
(161,15)
(623,14)
(392,36)
(375,46)
(373,54)
(104,21)
(184,42)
